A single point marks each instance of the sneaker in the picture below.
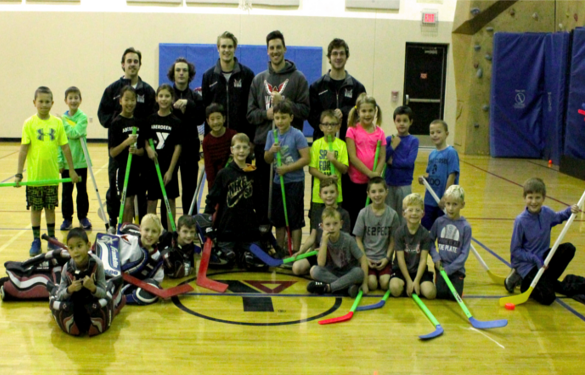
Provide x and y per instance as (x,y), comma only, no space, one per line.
(52,246)
(317,287)
(353,290)
(35,248)
(112,229)
(67,225)
(512,281)
(85,223)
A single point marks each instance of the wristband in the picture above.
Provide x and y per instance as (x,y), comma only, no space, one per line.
(19,175)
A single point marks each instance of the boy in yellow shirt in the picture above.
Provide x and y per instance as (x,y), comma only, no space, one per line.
(42,135)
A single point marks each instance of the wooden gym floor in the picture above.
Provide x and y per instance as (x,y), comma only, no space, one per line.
(207,333)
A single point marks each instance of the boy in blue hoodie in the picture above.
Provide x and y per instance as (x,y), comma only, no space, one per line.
(401,152)
(531,244)
(452,234)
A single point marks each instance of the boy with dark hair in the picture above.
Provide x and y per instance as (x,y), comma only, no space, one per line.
(75,125)
(235,193)
(217,143)
(341,265)
(401,152)
(228,83)
(42,136)
(180,260)
(294,151)
(530,245)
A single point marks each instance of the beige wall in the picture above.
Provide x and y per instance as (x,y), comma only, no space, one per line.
(59,49)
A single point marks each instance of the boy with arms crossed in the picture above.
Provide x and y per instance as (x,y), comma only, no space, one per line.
(42,135)
(341,265)
(412,243)
(373,233)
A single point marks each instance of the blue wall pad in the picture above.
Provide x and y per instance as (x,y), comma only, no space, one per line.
(308,60)
(517,95)
(556,81)
(575,130)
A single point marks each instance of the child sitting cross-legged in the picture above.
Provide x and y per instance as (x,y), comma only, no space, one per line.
(341,265)
(412,243)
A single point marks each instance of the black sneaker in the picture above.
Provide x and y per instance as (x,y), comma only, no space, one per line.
(353,290)
(317,287)
(512,281)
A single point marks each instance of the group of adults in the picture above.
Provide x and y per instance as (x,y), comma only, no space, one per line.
(247,99)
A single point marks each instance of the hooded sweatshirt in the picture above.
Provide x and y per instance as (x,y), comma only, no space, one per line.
(291,84)
(233,190)
(76,128)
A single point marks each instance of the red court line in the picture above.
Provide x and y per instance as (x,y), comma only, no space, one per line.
(510,181)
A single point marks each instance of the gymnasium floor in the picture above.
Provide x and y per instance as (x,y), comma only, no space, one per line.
(207,333)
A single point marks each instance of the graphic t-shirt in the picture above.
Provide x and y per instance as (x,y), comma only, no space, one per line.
(165,132)
(290,143)
(319,161)
(441,165)
(343,254)
(376,231)
(411,245)
(118,132)
(45,138)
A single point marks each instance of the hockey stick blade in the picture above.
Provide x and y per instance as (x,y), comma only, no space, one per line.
(377,305)
(436,333)
(489,324)
(517,299)
(202,279)
(162,293)
(260,254)
(497,279)
(339,319)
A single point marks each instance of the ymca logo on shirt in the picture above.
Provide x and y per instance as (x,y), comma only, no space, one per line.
(237,83)
(41,135)
(139,98)
(449,239)
(348,93)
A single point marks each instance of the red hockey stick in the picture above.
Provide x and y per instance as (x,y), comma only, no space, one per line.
(347,316)
(202,279)
(162,293)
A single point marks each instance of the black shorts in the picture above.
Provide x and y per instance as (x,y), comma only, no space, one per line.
(39,197)
(153,185)
(133,180)
(295,205)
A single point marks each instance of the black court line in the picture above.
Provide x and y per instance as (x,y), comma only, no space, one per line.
(2,157)
(510,181)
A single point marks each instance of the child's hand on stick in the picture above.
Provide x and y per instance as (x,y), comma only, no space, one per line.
(75,286)
(409,287)
(130,140)
(439,265)
(275,148)
(74,177)
(151,153)
(575,209)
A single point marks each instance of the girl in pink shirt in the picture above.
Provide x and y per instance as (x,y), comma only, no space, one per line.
(362,138)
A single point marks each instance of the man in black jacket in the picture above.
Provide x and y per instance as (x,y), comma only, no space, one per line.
(110,108)
(336,90)
(189,108)
(228,83)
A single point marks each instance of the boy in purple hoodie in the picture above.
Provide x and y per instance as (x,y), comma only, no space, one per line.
(530,245)
(452,234)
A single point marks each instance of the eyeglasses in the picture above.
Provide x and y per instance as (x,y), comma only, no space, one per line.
(329,125)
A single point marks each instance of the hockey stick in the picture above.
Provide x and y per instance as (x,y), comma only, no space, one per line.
(202,279)
(377,305)
(332,167)
(38,183)
(162,188)
(474,322)
(272,262)
(375,166)
(347,316)
(125,189)
(270,184)
(522,298)
(279,164)
(162,293)
(101,212)
(194,201)
(495,278)
(438,329)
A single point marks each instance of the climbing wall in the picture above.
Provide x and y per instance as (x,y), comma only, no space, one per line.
(473,30)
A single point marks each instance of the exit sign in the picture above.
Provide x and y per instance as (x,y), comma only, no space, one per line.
(430,17)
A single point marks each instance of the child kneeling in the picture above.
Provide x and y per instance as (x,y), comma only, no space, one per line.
(412,243)
(341,265)
(84,302)
(179,261)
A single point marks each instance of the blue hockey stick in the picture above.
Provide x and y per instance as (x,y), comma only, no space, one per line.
(377,305)
(474,322)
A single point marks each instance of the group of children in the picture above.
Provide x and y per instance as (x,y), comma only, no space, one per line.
(384,244)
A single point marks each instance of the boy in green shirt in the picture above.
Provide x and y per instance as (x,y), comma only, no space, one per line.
(42,135)
(75,125)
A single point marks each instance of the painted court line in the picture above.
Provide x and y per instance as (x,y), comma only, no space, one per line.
(497,343)
(2,157)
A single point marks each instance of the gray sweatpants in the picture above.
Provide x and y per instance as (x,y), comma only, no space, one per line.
(338,281)
(396,195)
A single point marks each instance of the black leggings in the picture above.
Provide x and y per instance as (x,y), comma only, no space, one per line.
(82,198)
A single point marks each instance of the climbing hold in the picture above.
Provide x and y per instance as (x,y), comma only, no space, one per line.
(576,17)
(489,29)
(477,47)
(535,15)
(479,73)
(476,65)
(512,12)
(485,107)
(488,57)
(475,11)
(476,125)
